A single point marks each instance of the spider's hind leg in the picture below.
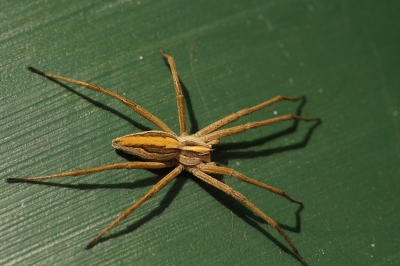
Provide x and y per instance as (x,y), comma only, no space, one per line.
(137,108)
(127,165)
(157,187)
(179,94)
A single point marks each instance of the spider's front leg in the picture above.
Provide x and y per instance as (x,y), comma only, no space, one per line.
(235,116)
(230,191)
(219,170)
(241,128)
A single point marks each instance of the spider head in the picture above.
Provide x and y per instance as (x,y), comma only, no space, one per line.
(193,151)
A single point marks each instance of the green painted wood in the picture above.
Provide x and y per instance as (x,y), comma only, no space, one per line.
(342,55)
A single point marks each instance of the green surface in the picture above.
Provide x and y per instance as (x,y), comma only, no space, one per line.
(343,55)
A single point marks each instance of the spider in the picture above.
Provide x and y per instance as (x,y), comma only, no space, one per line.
(165,149)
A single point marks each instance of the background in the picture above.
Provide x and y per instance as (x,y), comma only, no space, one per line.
(343,55)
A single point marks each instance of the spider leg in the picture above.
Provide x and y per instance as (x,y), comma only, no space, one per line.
(179,95)
(235,116)
(213,169)
(157,187)
(128,165)
(238,129)
(137,108)
(230,191)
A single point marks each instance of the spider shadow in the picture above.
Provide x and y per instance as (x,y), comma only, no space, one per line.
(250,217)
(241,149)
(167,199)
(101,105)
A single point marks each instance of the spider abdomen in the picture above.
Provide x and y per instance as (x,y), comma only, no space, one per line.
(149,145)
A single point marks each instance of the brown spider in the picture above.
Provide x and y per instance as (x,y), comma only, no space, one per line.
(163,149)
